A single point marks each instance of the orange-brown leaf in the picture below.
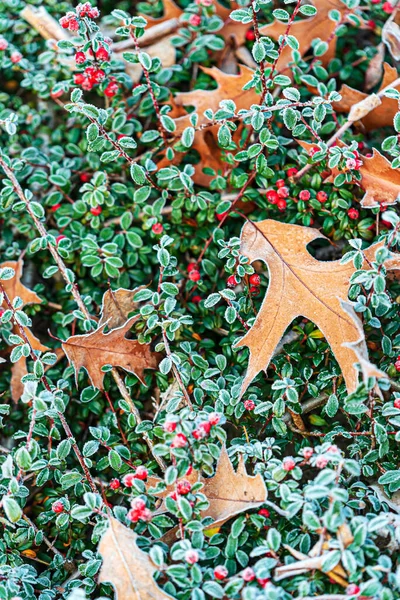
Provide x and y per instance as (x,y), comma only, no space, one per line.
(382,115)
(117,306)
(94,350)
(126,566)
(229,492)
(300,285)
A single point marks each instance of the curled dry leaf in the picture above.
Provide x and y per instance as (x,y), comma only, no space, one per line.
(374,71)
(300,285)
(129,569)
(380,181)
(205,139)
(13,288)
(117,306)
(229,492)
(94,350)
(307,30)
(381,115)
(391,34)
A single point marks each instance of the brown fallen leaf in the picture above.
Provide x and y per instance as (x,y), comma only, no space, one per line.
(129,569)
(205,140)
(300,285)
(229,492)
(13,288)
(307,30)
(383,114)
(94,350)
(117,305)
(374,72)
(391,34)
(380,181)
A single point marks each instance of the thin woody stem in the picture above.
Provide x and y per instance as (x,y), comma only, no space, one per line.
(79,300)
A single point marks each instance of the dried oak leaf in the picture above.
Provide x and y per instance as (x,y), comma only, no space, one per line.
(380,181)
(117,305)
(383,114)
(205,140)
(94,350)
(305,31)
(13,288)
(300,285)
(391,34)
(126,566)
(229,492)
(374,72)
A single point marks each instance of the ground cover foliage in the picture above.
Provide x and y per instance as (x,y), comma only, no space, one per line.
(199,290)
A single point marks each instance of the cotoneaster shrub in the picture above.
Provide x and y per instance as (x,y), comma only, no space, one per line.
(101,190)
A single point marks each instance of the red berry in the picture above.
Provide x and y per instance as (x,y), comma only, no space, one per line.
(292,171)
(283,192)
(255,279)
(387,7)
(313,150)
(272,196)
(2,311)
(169,426)
(263,582)
(96,211)
(56,94)
(194,275)
(248,574)
(304,195)
(281,204)
(192,266)
(254,290)
(206,427)
(353,590)
(111,89)
(3,43)
(196,299)
(195,20)
(102,54)
(249,404)
(250,35)
(280,183)
(231,281)
(288,464)
(183,487)
(179,441)
(141,473)
(16,57)
(59,238)
(221,572)
(396,403)
(55,207)
(57,507)
(371,24)
(353,213)
(85,177)
(80,58)
(214,418)
(308,452)
(115,484)
(397,365)
(322,196)
(79,78)
(128,479)
(264,512)
(221,216)
(157,228)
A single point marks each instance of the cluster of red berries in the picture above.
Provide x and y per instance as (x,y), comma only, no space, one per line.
(387,7)
(194,273)
(71,20)
(15,56)
(140,473)
(321,196)
(279,196)
(202,430)
(139,511)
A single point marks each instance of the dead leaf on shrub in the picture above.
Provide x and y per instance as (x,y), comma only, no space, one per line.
(94,350)
(229,492)
(307,30)
(300,285)
(380,181)
(383,114)
(205,140)
(374,71)
(13,288)
(391,34)
(129,569)
(117,305)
